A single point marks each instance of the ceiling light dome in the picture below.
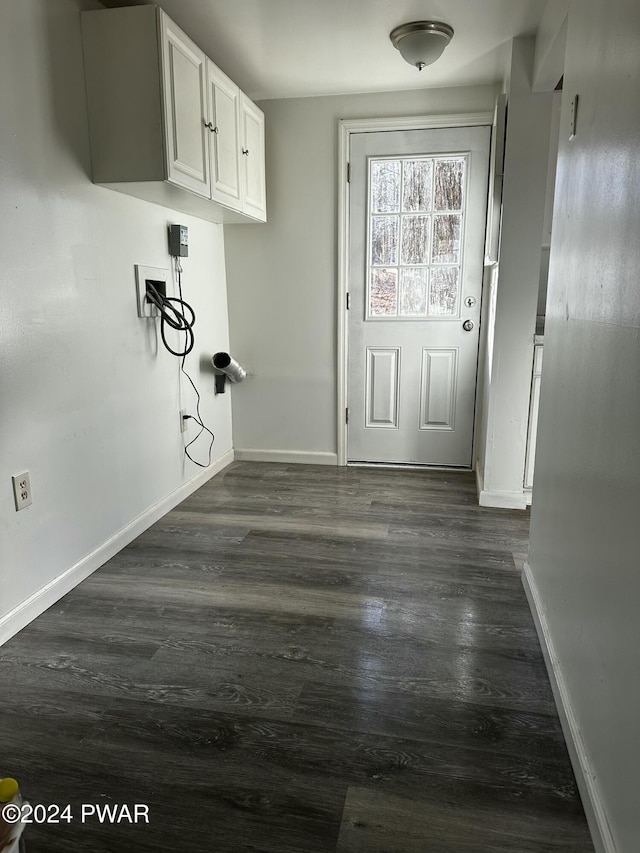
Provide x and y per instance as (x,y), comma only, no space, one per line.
(421,42)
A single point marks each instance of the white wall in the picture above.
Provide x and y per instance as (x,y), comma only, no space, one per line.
(550,46)
(548,202)
(585,535)
(89,406)
(505,400)
(283,276)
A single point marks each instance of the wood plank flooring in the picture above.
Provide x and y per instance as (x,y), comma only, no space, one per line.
(298,659)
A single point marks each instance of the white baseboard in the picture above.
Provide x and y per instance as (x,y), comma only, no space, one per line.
(584,771)
(37,603)
(503,500)
(287,456)
(499,500)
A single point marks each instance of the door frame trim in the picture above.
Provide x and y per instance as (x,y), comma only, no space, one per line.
(346,127)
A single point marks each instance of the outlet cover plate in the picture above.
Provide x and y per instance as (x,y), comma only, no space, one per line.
(22,490)
(146,308)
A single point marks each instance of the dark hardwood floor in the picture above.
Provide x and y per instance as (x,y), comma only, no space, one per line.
(298,659)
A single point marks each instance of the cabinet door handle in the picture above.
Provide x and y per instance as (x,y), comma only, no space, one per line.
(209,124)
(213,129)
(245,150)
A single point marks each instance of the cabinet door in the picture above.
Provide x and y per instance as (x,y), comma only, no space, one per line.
(252,165)
(185,109)
(224,118)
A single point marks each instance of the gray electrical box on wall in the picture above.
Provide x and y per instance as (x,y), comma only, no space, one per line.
(178,241)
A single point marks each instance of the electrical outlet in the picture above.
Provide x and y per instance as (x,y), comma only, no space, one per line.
(22,490)
(184,422)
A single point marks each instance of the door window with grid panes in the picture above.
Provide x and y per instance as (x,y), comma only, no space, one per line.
(415,228)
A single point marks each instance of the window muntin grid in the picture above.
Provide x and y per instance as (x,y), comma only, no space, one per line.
(414,249)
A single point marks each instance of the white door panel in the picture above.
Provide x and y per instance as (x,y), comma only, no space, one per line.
(417,225)
(438,387)
(382,387)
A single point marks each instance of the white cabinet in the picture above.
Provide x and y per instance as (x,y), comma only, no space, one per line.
(252,167)
(165,123)
(224,125)
(184,74)
(237,149)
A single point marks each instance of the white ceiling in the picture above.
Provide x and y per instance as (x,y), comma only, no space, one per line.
(300,48)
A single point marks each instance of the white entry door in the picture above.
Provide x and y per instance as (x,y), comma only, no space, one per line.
(418,203)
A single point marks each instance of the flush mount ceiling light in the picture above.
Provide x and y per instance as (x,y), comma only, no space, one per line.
(421,42)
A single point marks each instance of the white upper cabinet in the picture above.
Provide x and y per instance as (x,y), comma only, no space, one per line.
(165,123)
(252,167)
(224,125)
(184,76)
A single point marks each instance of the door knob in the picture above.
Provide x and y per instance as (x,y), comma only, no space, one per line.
(467,325)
